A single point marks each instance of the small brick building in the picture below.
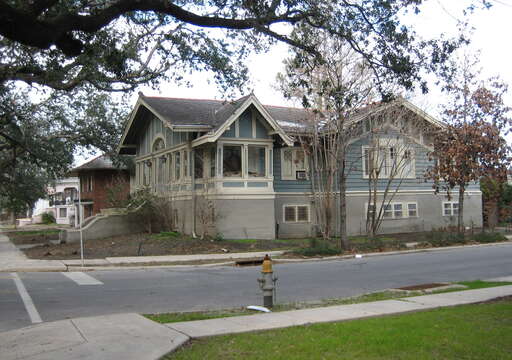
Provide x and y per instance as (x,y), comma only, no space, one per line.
(99,177)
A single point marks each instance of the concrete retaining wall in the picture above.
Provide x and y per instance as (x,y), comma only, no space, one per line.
(105,226)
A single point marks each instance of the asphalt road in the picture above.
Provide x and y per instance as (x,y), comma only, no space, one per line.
(55,296)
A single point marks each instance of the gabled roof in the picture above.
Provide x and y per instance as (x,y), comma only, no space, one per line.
(213,117)
(101,162)
(207,116)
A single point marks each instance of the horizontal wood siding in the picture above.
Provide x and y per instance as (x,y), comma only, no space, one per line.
(357,182)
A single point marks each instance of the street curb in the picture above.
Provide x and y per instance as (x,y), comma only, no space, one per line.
(126,266)
(397,252)
(200,329)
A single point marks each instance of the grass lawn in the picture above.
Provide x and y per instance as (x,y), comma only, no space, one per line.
(376,296)
(482,331)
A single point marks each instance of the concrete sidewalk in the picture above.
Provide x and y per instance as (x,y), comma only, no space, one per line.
(268,321)
(121,336)
(12,260)
(131,336)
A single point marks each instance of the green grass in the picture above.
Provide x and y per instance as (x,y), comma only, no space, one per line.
(36,232)
(165,235)
(482,331)
(376,296)
(191,316)
(479,284)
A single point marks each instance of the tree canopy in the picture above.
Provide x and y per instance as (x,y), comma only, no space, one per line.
(75,51)
(119,44)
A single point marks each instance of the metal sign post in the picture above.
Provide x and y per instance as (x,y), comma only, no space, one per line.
(80,214)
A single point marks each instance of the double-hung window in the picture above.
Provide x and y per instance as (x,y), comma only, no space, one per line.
(395,210)
(256,161)
(232,161)
(294,164)
(387,161)
(450,208)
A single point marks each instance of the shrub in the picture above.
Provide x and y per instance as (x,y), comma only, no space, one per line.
(218,237)
(318,247)
(48,218)
(488,237)
(439,238)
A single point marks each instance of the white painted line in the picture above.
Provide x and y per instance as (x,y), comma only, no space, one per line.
(27,300)
(81,278)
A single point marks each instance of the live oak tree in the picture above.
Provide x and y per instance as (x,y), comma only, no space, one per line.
(84,46)
(39,137)
(119,44)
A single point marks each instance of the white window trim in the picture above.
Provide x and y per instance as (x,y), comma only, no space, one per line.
(451,208)
(410,175)
(244,158)
(405,210)
(296,206)
(294,168)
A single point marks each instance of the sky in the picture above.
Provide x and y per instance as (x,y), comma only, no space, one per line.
(491,36)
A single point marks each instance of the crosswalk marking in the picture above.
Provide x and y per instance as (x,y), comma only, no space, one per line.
(27,300)
(81,278)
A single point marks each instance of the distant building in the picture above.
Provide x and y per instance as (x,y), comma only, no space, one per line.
(60,202)
(96,177)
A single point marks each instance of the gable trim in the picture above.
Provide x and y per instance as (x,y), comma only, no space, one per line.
(250,100)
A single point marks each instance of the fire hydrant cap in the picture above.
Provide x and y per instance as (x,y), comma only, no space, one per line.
(267,265)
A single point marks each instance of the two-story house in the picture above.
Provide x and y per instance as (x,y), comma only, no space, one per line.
(244,157)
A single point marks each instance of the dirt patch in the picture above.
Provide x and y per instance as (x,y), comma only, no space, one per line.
(153,245)
(422,286)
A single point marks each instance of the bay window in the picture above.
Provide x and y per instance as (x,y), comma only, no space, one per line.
(256,163)
(232,161)
(177,165)
(198,163)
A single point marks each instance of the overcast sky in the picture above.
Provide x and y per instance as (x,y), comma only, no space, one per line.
(491,36)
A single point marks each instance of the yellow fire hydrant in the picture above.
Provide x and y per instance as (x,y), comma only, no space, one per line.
(267,282)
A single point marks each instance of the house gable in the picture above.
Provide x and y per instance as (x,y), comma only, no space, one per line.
(254,120)
(249,125)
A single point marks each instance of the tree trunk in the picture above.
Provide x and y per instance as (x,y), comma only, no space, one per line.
(492,214)
(460,218)
(342,180)
(344,242)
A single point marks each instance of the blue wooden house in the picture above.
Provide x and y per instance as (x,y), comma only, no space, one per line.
(244,158)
